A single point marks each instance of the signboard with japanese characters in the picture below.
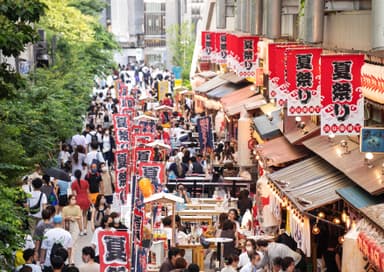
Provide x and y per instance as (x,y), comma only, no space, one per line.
(127,102)
(277,85)
(120,121)
(204,127)
(122,136)
(114,249)
(372,140)
(303,77)
(121,159)
(147,126)
(206,45)
(154,171)
(247,56)
(342,99)
(220,47)
(137,226)
(143,154)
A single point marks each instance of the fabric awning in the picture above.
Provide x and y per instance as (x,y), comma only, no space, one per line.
(279,151)
(250,103)
(268,129)
(225,89)
(351,164)
(206,74)
(357,197)
(232,77)
(310,184)
(238,95)
(375,214)
(211,84)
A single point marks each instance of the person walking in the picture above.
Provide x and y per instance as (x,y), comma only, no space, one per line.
(108,181)
(80,188)
(95,183)
(56,235)
(72,219)
(36,203)
(100,209)
(88,257)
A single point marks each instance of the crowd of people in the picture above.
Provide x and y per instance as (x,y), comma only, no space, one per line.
(61,211)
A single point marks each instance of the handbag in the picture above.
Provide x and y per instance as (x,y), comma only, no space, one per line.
(36,208)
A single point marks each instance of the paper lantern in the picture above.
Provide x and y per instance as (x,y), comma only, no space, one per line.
(381,259)
(146,187)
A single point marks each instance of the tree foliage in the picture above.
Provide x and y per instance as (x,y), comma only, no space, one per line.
(181,42)
(16,20)
(38,111)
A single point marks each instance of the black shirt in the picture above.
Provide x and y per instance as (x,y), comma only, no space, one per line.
(94,182)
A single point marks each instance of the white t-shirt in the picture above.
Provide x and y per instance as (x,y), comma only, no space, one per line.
(35,267)
(34,199)
(88,138)
(52,236)
(78,140)
(87,267)
(92,155)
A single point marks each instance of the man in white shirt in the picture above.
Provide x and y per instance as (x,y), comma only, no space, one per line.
(37,198)
(94,154)
(52,236)
(77,140)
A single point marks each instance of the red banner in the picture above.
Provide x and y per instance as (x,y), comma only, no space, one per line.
(114,250)
(342,99)
(277,85)
(247,56)
(303,78)
(206,45)
(220,47)
(154,171)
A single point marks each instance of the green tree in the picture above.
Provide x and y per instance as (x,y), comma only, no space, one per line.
(181,42)
(38,111)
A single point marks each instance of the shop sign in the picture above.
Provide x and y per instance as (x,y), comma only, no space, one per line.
(342,99)
(372,140)
(303,78)
(247,56)
(206,45)
(114,250)
(220,48)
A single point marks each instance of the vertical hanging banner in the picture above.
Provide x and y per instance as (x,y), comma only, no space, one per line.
(143,154)
(277,86)
(114,250)
(206,45)
(214,48)
(221,47)
(154,171)
(204,127)
(343,102)
(303,77)
(247,55)
(230,52)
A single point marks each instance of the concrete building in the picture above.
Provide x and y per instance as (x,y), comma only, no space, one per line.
(125,19)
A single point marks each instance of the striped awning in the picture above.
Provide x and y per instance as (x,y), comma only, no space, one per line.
(311,183)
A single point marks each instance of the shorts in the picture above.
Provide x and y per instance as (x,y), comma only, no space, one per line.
(92,197)
(63,200)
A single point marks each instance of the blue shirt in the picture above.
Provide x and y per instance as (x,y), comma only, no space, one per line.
(63,185)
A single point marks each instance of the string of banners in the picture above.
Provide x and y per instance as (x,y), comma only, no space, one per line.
(124,250)
(301,77)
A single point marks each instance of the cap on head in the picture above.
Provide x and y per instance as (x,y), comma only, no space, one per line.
(57,219)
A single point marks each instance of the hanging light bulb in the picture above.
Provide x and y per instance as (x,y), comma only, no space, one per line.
(321,215)
(315,229)
(336,220)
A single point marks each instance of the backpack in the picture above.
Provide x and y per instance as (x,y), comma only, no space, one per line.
(94,138)
(36,208)
(97,161)
(55,247)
